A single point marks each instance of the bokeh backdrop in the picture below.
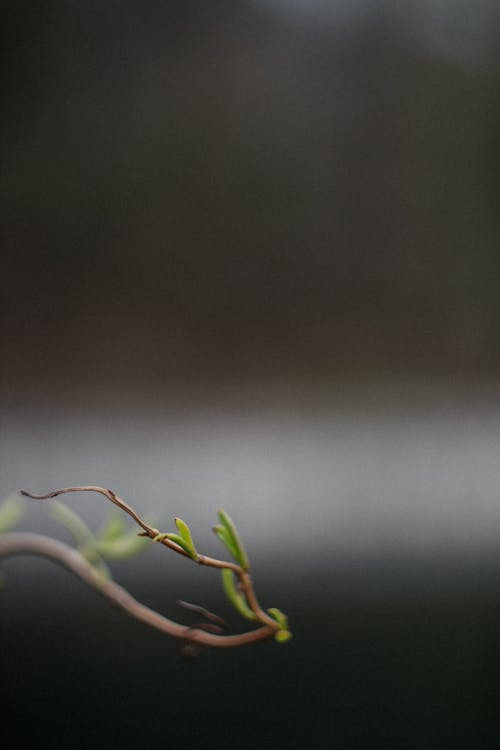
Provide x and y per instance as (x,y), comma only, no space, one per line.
(251,259)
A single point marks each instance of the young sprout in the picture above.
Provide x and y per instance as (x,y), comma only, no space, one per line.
(114,542)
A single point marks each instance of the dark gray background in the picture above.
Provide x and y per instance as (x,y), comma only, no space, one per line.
(251,261)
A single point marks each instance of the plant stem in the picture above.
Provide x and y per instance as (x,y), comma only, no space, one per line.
(244,576)
(18,543)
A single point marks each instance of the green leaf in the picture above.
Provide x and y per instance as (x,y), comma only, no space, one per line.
(11,510)
(279,616)
(282,636)
(180,541)
(223,536)
(232,540)
(74,523)
(84,538)
(113,528)
(185,533)
(236,597)
(122,547)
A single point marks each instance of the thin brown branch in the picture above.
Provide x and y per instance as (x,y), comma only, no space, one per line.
(253,603)
(204,613)
(244,577)
(18,543)
(112,497)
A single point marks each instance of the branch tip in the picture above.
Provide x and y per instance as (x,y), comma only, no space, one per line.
(228,534)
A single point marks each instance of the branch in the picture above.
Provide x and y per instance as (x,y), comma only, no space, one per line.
(243,575)
(17,543)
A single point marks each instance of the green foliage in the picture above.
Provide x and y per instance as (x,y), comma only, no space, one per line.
(112,542)
(113,527)
(185,533)
(11,510)
(227,533)
(183,539)
(122,547)
(74,524)
(236,597)
(283,634)
(279,616)
(81,533)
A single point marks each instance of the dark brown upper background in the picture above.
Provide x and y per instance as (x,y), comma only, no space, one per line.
(249,191)
(290,207)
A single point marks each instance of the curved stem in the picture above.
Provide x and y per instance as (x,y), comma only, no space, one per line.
(113,497)
(150,531)
(17,543)
(253,603)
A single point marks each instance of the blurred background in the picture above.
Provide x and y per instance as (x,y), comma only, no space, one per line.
(251,260)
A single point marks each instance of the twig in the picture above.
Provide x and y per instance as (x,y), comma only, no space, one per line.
(243,575)
(204,613)
(18,543)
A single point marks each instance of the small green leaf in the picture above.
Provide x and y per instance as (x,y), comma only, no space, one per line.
(180,541)
(282,636)
(236,597)
(160,537)
(11,511)
(74,523)
(232,539)
(223,536)
(86,541)
(279,616)
(122,547)
(113,528)
(185,533)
